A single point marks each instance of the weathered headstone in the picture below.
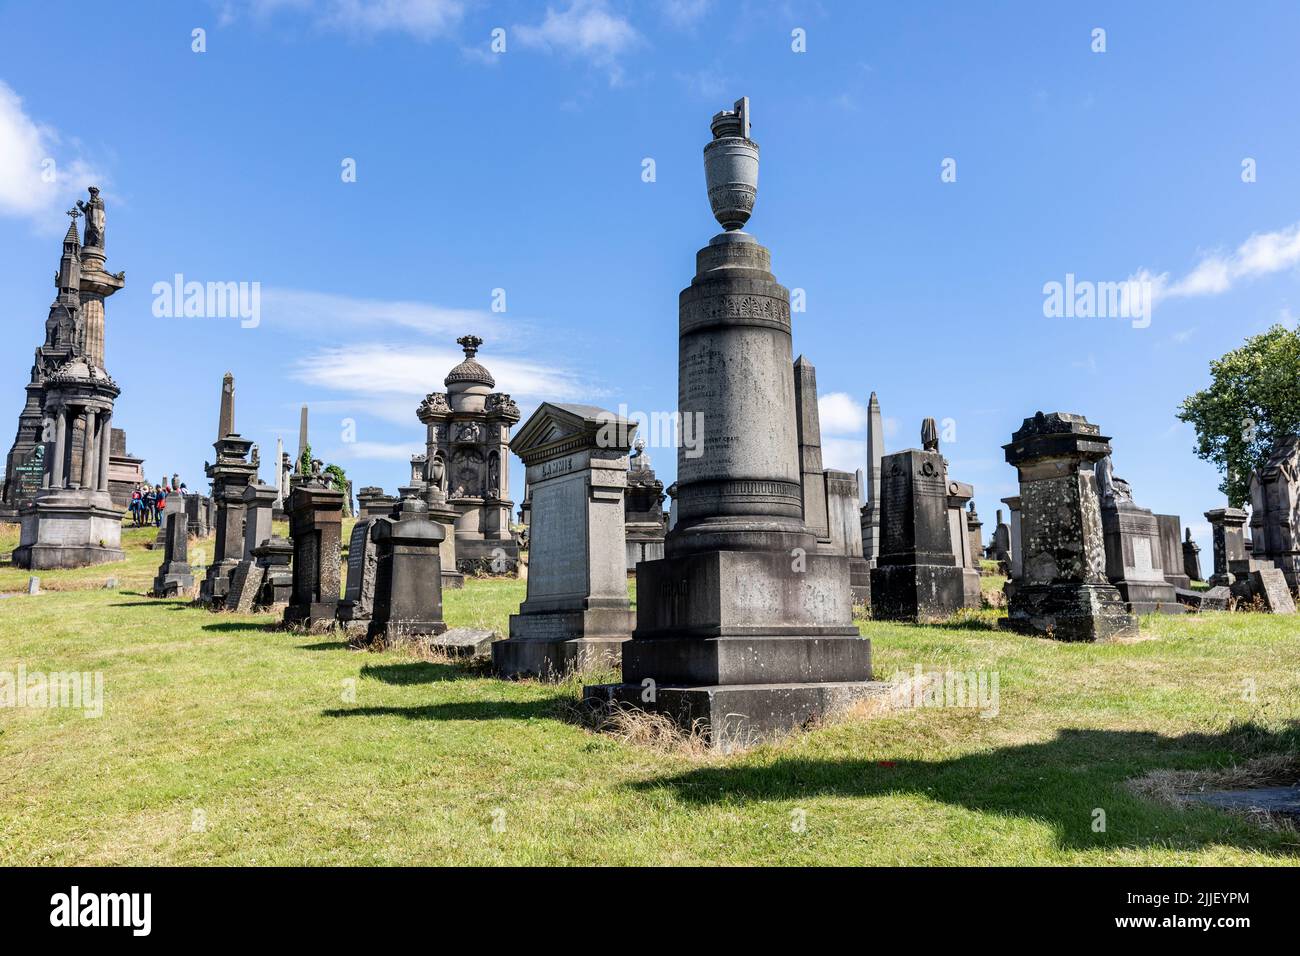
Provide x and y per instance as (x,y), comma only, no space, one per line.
(1170,530)
(1229,536)
(1134,555)
(916,577)
(1064,592)
(999,548)
(247,579)
(1192,558)
(358,604)
(408,578)
(315,525)
(577,614)
(1271,587)
(230,475)
(1275,509)
(844,518)
(975,531)
(174,576)
(809,435)
(743,627)
(469,643)
(1213,599)
(959,493)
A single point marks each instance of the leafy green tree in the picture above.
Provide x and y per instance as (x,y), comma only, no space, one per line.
(304,460)
(339,477)
(1253,400)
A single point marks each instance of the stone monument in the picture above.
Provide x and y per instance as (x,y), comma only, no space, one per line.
(577,615)
(875,458)
(808,429)
(407,602)
(643,509)
(468,432)
(174,578)
(249,576)
(743,626)
(230,475)
(70,520)
(1063,591)
(844,519)
(916,577)
(1275,509)
(1134,562)
(315,526)
(1228,530)
(1170,530)
(1192,558)
(959,493)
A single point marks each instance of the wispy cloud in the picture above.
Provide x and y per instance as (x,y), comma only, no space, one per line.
(685,13)
(1262,254)
(393,374)
(40,173)
(841,414)
(421,19)
(586,29)
(380,451)
(296,308)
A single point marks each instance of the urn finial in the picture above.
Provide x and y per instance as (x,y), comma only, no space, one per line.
(731,167)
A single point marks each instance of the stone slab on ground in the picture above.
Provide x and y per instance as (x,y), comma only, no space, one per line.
(471,643)
(1214,599)
(1270,584)
(1279,800)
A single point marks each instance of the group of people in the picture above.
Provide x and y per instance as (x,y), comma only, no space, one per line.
(149,501)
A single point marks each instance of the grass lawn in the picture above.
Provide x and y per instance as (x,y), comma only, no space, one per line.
(224,742)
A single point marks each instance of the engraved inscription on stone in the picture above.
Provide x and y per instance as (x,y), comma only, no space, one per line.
(558,537)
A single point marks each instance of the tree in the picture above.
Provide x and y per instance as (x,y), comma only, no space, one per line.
(304,460)
(1253,400)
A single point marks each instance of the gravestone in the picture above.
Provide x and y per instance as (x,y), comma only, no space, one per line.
(959,493)
(230,475)
(975,531)
(1192,558)
(315,525)
(916,577)
(197,511)
(643,510)
(999,548)
(408,575)
(844,518)
(247,580)
(468,643)
(1213,599)
(1271,587)
(373,503)
(174,577)
(358,604)
(1170,530)
(1134,555)
(576,615)
(744,628)
(1229,536)
(1063,592)
(1275,509)
(809,434)
(1013,545)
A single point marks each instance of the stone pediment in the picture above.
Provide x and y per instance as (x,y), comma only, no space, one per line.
(557,429)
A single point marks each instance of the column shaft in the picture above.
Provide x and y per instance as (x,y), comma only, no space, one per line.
(58,464)
(105,449)
(88,449)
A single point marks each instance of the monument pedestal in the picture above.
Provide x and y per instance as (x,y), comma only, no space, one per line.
(315,523)
(69,528)
(1069,612)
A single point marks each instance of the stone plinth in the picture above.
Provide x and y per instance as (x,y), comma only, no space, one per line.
(1228,527)
(315,525)
(69,528)
(230,476)
(576,615)
(408,575)
(916,577)
(1063,592)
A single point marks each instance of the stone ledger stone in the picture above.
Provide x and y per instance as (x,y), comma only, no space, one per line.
(1064,592)
(577,614)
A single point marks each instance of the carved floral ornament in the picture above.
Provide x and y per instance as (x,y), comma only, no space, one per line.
(434,403)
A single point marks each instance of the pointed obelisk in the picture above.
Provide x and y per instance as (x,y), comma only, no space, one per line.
(809,429)
(744,627)
(875,455)
(226,421)
(302,439)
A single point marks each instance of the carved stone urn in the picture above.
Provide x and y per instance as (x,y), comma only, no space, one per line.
(731,167)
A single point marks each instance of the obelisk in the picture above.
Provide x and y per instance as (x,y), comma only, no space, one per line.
(743,627)
(875,455)
(302,439)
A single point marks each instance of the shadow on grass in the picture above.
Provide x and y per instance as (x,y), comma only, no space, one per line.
(169,603)
(326,646)
(415,672)
(462,710)
(1062,782)
(240,626)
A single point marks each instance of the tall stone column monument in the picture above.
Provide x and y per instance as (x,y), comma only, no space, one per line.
(230,475)
(71,520)
(743,624)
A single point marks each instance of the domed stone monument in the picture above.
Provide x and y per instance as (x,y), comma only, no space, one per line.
(467,452)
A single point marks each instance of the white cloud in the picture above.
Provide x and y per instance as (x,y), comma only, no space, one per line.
(1262,254)
(421,19)
(40,175)
(844,454)
(840,414)
(684,13)
(317,310)
(392,374)
(381,451)
(587,29)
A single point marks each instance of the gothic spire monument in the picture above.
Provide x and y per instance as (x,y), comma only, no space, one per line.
(71,520)
(743,625)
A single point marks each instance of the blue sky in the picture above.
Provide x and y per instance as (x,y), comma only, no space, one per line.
(522,171)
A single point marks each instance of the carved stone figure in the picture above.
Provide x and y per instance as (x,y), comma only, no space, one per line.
(929,435)
(94,211)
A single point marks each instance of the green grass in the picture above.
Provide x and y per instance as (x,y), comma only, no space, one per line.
(289,749)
